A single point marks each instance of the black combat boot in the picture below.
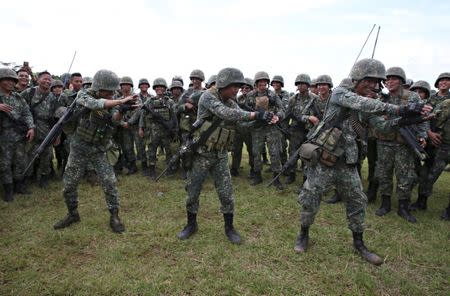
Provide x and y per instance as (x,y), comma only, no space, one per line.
(301,244)
(152,172)
(8,192)
(145,171)
(231,233)
(114,221)
(403,211)
(359,246)
(257,179)
(446,214)
(334,199)
(372,191)
(251,174)
(234,172)
(385,206)
(20,186)
(420,204)
(43,182)
(277,182)
(71,218)
(132,168)
(290,178)
(190,228)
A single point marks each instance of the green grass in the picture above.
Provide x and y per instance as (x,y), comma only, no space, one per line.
(148,259)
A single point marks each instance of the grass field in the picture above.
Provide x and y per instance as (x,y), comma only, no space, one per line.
(148,259)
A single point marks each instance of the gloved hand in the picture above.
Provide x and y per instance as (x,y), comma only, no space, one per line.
(264,116)
(410,110)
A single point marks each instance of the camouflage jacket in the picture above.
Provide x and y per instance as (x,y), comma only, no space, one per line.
(435,99)
(443,121)
(146,120)
(284,97)
(13,126)
(299,107)
(274,102)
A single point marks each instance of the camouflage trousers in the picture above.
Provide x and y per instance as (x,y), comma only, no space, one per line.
(215,163)
(82,153)
(140,145)
(43,161)
(347,182)
(371,158)
(284,143)
(13,160)
(127,145)
(240,138)
(296,139)
(392,157)
(273,137)
(441,159)
(158,140)
(89,166)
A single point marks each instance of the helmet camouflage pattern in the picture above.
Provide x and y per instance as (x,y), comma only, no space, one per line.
(324,79)
(421,84)
(8,73)
(249,82)
(346,83)
(55,83)
(143,81)
(105,80)
(278,78)
(397,72)
(441,76)
(178,78)
(176,84)
(87,80)
(126,80)
(303,78)
(211,80)
(408,82)
(229,76)
(197,74)
(314,82)
(368,68)
(159,82)
(261,75)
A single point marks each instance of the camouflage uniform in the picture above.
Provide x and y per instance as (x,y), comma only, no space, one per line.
(284,124)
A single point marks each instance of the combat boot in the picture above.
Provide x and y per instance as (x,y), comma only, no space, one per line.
(145,171)
(372,191)
(114,221)
(231,233)
(385,206)
(359,247)
(8,192)
(403,211)
(301,244)
(71,218)
(234,172)
(257,179)
(334,199)
(277,182)
(20,187)
(420,204)
(290,178)
(152,172)
(251,174)
(446,214)
(190,228)
(132,168)
(43,181)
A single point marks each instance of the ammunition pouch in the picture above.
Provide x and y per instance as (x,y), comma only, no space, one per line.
(94,128)
(221,138)
(328,140)
(309,153)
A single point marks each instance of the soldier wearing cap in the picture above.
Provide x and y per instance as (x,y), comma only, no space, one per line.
(16,126)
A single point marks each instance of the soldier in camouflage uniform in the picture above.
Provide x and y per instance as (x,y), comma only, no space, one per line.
(89,144)
(144,95)
(338,155)
(394,155)
(217,104)
(243,134)
(261,98)
(434,140)
(211,81)
(87,82)
(158,124)
(299,110)
(277,84)
(408,83)
(24,80)
(176,89)
(16,125)
(313,87)
(43,105)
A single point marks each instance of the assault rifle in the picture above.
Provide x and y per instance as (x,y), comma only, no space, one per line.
(158,118)
(412,143)
(287,165)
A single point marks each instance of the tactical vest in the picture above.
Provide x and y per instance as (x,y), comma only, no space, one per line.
(395,135)
(220,140)
(95,127)
(161,108)
(443,122)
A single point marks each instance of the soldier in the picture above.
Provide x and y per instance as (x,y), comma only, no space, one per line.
(313,87)
(89,143)
(57,87)
(262,98)
(277,84)
(43,105)
(422,88)
(144,85)
(24,80)
(176,89)
(408,83)
(16,125)
(60,150)
(158,125)
(298,110)
(243,134)
(434,140)
(211,81)
(219,112)
(87,82)
(338,149)
(394,155)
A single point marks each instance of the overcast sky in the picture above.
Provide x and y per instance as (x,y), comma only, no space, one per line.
(153,39)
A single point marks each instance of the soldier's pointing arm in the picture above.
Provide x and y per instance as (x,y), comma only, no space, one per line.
(353,101)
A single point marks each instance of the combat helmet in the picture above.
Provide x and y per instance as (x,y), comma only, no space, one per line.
(324,79)
(421,84)
(105,80)
(261,75)
(229,76)
(87,80)
(197,74)
(178,78)
(409,82)
(55,83)
(441,76)
(211,80)
(8,73)
(313,82)
(397,72)
(143,81)
(368,68)
(278,78)
(249,82)
(346,83)
(159,82)
(126,80)
(303,78)
(176,84)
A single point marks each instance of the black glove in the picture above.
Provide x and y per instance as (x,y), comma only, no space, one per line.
(410,120)
(264,116)
(410,110)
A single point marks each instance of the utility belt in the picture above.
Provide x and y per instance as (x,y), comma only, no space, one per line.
(324,148)
(221,138)
(390,137)
(94,129)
